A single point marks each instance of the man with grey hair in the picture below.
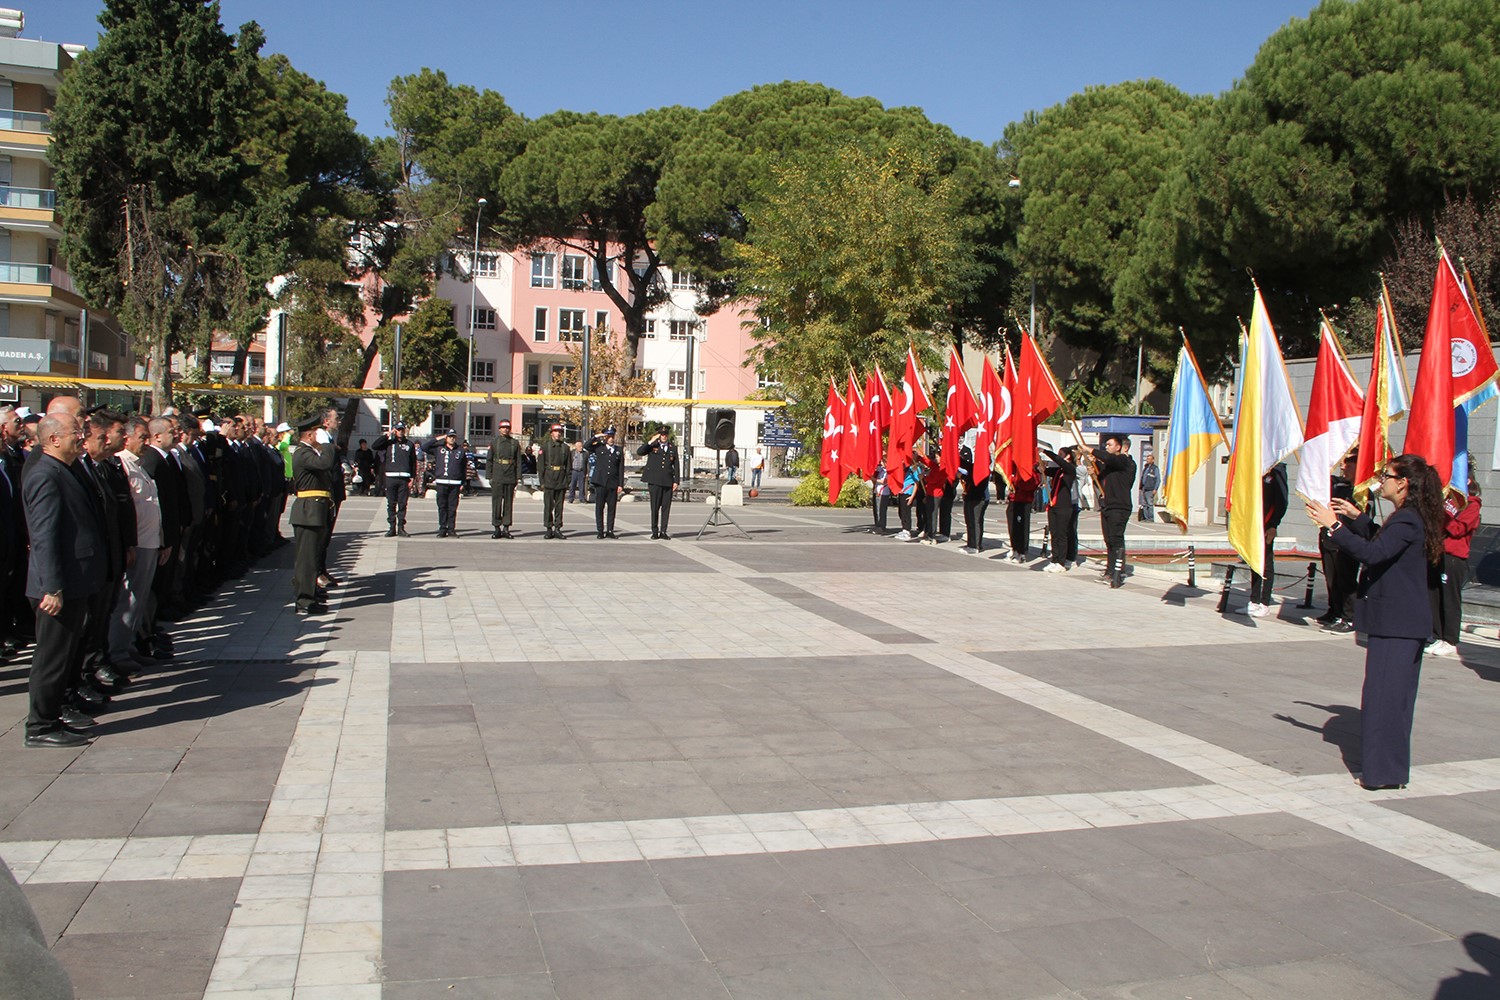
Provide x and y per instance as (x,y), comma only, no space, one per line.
(130,609)
(14,611)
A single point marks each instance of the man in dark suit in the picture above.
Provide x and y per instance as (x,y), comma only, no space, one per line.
(66,568)
(312,481)
(103,440)
(171,489)
(607,479)
(661,478)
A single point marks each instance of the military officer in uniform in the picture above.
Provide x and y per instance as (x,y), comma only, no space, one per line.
(505,472)
(449,467)
(312,509)
(661,478)
(553,467)
(607,479)
(398,456)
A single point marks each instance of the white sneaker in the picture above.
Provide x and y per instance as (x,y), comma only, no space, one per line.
(968,550)
(1053,567)
(1441,648)
(1257,610)
(903,536)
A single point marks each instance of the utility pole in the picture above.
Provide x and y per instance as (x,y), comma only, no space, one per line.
(587,382)
(473,291)
(687,424)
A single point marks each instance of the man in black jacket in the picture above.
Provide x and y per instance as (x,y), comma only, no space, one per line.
(66,568)
(505,473)
(976,498)
(1117,480)
(662,477)
(104,439)
(160,464)
(398,457)
(313,473)
(448,477)
(607,479)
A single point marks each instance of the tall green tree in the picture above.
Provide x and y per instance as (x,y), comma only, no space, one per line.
(1089,168)
(162,223)
(433,356)
(855,256)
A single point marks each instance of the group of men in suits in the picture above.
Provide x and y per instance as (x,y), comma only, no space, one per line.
(113,525)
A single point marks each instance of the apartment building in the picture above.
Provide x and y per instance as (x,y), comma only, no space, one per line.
(46,326)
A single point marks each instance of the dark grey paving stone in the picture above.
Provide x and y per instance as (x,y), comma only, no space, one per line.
(856,557)
(774,796)
(685,981)
(963,860)
(730,930)
(1327,979)
(848,870)
(1476,816)
(138,964)
(1447,905)
(55,904)
(1040,899)
(165,819)
(206,759)
(127,760)
(1359,866)
(1081,850)
(455,797)
(1443,970)
(1100,953)
(581,806)
(1208,986)
(980,965)
(18,791)
(855,621)
(749,879)
(846,974)
(615,938)
(576,554)
(44,820)
(1170,841)
(1347,921)
(426,715)
(188,906)
(900,915)
(463,923)
(1149,888)
(597,886)
(1276,831)
(208,789)
(533,986)
(1257,876)
(1223,936)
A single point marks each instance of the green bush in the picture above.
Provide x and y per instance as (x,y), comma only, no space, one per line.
(812,491)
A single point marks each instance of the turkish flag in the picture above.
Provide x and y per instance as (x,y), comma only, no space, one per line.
(911,401)
(1005,420)
(877,418)
(1036,399)
(961,413)
(991,394)
(854,450)
(831,463)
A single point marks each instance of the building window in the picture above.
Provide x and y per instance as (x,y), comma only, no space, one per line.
(601,322)
(682,329)
(484,319)
(676,380)
(543,269)
(570,326)
(486,265)
(572,271)
(539,326)
(481,425)
(650,332)
(484,371)
(682,281)
(702,381)
(609,272)
(442,423)
(533,378)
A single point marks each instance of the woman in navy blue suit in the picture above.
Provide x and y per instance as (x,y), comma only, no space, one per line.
(1391,607)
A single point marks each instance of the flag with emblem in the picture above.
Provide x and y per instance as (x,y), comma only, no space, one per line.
(831,463)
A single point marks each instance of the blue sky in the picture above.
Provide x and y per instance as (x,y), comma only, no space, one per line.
(972,65)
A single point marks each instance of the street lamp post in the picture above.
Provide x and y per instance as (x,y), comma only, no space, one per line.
(473,291)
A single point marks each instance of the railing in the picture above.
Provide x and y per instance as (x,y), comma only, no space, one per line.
(19,197)
(25,121)
(26,274)
(65,355)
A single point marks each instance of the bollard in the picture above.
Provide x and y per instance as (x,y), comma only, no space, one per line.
(1228,582)
(1312,575)
(1047,542)
(1192,567)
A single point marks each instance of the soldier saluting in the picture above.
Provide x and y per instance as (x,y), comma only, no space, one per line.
(661,478)
(607,479)
(553,465)
(312,510)
(505,472)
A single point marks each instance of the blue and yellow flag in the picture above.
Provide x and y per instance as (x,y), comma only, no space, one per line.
(1193,432)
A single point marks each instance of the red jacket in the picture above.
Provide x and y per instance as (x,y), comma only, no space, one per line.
(1458,530)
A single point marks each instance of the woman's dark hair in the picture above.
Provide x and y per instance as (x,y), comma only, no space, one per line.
(1424,493)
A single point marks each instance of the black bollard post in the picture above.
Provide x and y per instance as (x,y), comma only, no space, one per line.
(1312,575)
(1228,582)
(1192,567)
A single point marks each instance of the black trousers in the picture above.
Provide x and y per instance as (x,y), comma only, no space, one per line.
(96,631)
(578,486)
(447,507)
(605,499)
(945,511)
(309,543)
(661,508)
(1018,518)
(975,503)
(1446,592)
(1340,579)
(1062,525)
(333,518)
(880,504)
(1261,587)
(904,511)
(54,659)
(552,507)
(502,504)
(397,493)
(1114,522)
(1386,707)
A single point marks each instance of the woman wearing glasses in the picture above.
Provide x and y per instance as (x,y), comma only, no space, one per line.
(1391,607)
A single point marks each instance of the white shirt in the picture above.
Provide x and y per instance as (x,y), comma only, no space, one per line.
(147,503)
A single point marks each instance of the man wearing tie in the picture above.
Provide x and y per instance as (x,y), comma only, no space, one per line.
(661,478)
(607,479)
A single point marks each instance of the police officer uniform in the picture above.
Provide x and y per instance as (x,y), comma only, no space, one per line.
(662,477)
(448,476)
(312,509)
(505,472)
(553,468)
(607,479)
(399,457)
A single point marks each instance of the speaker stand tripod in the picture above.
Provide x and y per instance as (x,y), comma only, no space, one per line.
(718,517)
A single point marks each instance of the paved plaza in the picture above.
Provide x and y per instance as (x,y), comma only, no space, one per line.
(815,763)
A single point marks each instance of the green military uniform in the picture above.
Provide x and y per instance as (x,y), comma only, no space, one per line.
(555,470)
(505,472)
(311,514)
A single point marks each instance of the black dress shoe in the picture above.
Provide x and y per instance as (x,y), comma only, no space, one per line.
(89,697)
(599,534)
(74,719)
(57,738)
(402,532)
(497,533)
(109,680)
(313,609)
(1116,582)
(506,533)
(665,537)
(610,534)
(1379,788)
(391,533)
